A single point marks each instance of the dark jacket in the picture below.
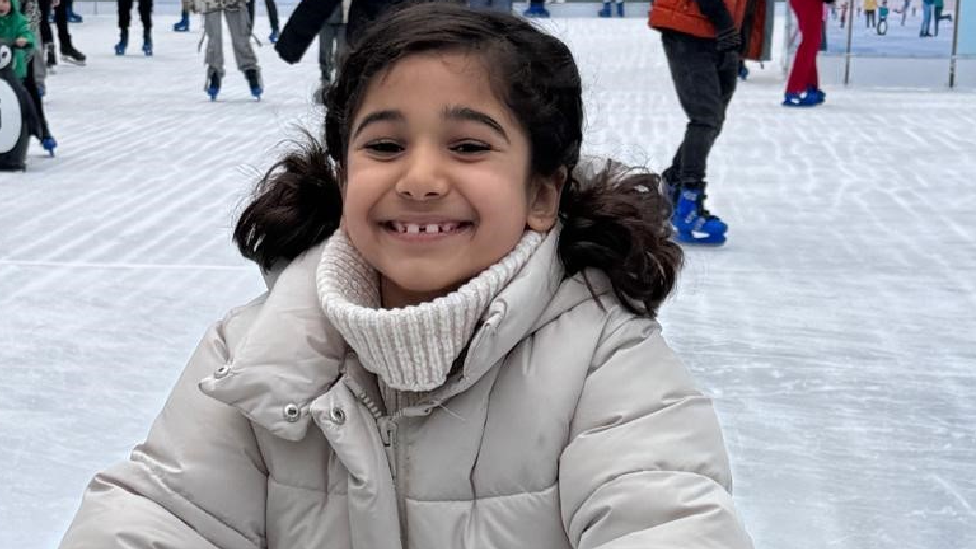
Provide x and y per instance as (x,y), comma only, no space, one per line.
(309,16)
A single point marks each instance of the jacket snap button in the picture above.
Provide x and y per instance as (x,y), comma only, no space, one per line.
(338,416)
(221,372)
(292,412)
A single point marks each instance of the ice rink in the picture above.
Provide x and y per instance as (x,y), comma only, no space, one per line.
(836,331)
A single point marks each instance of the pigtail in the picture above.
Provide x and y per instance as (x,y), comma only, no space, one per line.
(617,221)
(296,205)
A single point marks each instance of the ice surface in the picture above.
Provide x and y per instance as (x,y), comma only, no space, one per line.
(835,331)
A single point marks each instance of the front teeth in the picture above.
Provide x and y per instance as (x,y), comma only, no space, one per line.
(416,228)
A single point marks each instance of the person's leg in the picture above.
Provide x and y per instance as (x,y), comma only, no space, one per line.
(936,19)
(213,28)
(46,35)
(250,14)
(694,70)
(272,15)
(804,64)
(125,20)
(31,84)
(40,70)
(239,27)
(61,21)
(145,14)
(327,36)
(125,15)
(926,19)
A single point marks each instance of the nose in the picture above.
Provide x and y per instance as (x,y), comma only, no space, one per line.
(424,178)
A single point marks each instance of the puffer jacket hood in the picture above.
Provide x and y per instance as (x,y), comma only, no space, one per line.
(569,425)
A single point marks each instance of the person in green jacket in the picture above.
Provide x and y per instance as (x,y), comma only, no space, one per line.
(15,30)
(939,7)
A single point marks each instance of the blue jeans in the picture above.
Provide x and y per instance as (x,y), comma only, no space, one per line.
(926,18)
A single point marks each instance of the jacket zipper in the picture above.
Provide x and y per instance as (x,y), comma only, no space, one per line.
(388,435)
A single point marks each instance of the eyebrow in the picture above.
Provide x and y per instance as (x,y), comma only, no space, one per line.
(469,114)
(450,113)
(378,116)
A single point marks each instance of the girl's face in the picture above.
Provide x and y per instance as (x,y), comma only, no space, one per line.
(4,7)
(437,183)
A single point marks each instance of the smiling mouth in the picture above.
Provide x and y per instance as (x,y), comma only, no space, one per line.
(428,229)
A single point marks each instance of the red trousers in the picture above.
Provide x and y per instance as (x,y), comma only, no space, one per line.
(809,14)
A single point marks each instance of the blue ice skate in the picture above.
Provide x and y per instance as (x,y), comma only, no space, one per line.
(75,18)
(818,95)
(605,11)
(49,145)
(147,48)
(273,37)
(536,10)
(121,46)
(254,82)
(183,25)
(693,224)
(620,9)
(213,85)
(801,100)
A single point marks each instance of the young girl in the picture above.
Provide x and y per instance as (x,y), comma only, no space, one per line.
(461,350)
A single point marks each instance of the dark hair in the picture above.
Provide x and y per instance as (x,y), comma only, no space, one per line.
(614,220)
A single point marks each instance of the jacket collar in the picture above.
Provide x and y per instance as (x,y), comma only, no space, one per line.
(291,355)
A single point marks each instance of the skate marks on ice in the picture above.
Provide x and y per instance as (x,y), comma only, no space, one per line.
(834,331)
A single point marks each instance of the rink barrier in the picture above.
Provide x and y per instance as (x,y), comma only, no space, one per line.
(955,69)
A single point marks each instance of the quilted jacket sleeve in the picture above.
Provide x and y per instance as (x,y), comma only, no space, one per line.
(646,465)
(198,482)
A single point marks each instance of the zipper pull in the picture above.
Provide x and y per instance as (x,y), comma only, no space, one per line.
(388,433)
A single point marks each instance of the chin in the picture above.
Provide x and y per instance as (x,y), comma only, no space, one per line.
(424,284)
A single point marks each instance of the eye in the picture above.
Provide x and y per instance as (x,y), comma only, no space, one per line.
(383,148)
(471,147)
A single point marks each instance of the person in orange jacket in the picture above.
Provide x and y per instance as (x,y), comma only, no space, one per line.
(703,41)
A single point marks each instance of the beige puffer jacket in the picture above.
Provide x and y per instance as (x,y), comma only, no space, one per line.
(569,425)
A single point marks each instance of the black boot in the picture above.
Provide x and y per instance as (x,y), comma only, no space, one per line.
(254,82)
(52,56)
(71,55)
(147,47)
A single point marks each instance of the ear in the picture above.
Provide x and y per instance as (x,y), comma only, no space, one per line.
(543,200)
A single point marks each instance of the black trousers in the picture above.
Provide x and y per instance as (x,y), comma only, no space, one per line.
(272,13)
(31,84)
(145,13)
(705,80)
(60,20)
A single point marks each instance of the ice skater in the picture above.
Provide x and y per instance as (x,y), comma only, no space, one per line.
(870,12)
(501,6)
(607,9)
(703,42)
(332,45)
(35,74)
(803,85)
(926,30)
(883,13)
(235,12)
(69,52)
(459,347)
(125,18)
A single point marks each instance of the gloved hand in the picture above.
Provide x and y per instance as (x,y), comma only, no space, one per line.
(289,49)
(729,39)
